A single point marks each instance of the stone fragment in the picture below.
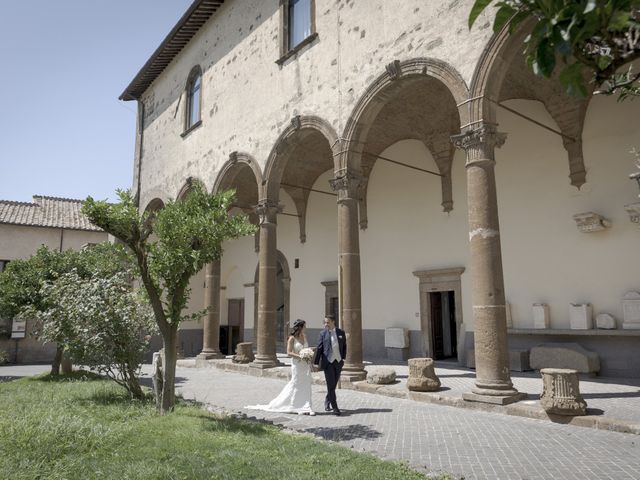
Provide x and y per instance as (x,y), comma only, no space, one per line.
(381,375)
(540,315)
(564,355)
(561,392)
(631,311)
(422,375)
(605,321)
(244,353)
(581,316)
(519,360)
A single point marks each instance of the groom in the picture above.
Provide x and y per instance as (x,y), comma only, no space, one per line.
(330,355)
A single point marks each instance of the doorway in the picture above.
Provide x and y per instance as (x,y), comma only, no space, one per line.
(443,325)
(232,333)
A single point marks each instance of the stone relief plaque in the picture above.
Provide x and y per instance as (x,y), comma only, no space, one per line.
(631,311)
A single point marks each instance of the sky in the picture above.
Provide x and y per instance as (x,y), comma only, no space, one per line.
(63,65)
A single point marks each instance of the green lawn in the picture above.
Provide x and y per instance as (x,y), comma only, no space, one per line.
(83,427)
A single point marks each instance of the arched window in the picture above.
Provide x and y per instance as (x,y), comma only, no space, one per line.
(194,98)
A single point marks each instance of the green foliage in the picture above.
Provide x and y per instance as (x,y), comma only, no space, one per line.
(187,234)
(88,429)
(591,38)
(104,323)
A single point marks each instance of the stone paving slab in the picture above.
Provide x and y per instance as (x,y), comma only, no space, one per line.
(432,438)
(614,404)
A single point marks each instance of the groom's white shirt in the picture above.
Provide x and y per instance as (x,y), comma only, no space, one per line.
(335,347)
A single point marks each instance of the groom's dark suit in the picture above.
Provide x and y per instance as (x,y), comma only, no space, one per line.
(333,369)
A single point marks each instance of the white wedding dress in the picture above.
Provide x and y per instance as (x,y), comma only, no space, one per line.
(295,397)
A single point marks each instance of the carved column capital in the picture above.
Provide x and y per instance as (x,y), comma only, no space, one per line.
(346,186)
(267,212)
(480,143)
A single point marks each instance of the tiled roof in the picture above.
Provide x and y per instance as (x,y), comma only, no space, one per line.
(46,212)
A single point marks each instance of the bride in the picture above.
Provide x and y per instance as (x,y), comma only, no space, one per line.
(295,397)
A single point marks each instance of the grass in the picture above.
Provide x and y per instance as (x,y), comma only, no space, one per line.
(83,427)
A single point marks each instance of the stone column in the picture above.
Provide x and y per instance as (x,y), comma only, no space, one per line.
(493,380)
(211,330)
(349,273)
(267,276)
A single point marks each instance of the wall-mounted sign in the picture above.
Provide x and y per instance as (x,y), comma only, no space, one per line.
(19,329)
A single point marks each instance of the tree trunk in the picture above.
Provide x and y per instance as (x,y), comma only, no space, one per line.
(169,370)
(57,360)
(133,385)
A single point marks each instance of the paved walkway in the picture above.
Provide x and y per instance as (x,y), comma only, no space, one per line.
(432,438)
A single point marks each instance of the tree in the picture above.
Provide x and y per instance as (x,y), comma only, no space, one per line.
(592,39)
(22,282)
(21,286)
(104,323)
(188,235)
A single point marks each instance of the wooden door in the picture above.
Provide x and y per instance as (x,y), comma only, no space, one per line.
(436,325)
(235,318)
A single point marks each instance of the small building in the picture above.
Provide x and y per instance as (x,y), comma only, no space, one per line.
(26,226)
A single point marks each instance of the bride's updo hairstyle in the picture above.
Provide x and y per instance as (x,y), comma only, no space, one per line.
(297,327)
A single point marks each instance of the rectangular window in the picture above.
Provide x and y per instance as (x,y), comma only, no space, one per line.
(299,21)
(194,102)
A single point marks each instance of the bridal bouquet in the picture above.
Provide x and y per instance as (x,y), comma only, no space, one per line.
(306,354)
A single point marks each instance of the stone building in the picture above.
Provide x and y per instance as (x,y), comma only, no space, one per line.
(24,227)
(404,172)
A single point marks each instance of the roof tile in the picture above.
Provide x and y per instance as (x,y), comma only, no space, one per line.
(46,212)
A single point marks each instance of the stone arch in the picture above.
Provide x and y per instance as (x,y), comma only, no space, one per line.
(307,137)
(277,161)
(502,74)
(285,277)
(237,163)
(187,186)
(154,205)
(242,173)
(426,80)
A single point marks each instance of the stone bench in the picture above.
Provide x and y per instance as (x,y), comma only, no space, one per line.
(564,355)
(518,360)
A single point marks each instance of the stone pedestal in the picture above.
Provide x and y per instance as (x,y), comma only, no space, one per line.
(541,318)
(422,375)
(581,316)
(561,392)
(381,375)
(631,311)
(244,353)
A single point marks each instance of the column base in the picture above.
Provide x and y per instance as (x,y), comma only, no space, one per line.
(211,355)
(203,357)
(353,373)
(505,399)
(265,362)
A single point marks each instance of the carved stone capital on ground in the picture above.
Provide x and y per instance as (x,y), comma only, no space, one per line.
(346,186)
(561,392)
(244,353)
(479,143)
(267,212)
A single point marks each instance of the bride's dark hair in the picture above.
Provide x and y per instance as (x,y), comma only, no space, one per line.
(297,327)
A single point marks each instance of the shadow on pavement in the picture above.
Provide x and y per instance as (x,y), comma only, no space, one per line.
(347,432)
